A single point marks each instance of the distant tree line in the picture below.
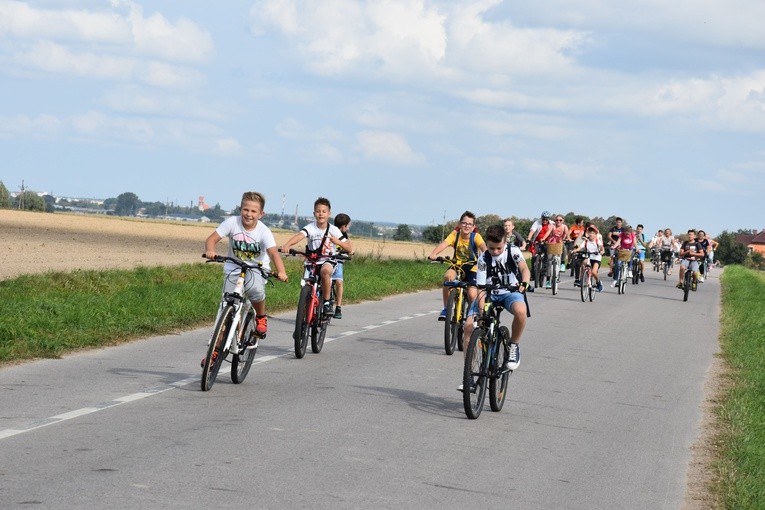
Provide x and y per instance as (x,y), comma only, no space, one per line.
(730,251)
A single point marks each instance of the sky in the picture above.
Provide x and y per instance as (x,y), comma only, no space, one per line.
(403,111)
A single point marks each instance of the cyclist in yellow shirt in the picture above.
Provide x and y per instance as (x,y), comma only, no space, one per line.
(468,245)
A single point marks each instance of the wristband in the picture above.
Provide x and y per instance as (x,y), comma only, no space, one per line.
(524,285)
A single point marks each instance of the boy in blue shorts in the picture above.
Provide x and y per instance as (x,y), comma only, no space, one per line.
(505,261)
(343,222)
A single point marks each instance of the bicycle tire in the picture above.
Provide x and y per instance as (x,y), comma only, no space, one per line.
(498,383)
(302,326)
(584,283)
(474,374)
(318,333)
(666,270)
(635,272)
(591,290)
(241,362)
(461,323)
(449,322)
(554,278)
(538,278)
(217,340)
(687,278)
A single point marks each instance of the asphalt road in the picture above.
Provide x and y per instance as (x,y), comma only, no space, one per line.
(601,414)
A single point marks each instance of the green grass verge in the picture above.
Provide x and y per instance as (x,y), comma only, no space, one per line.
(45,316)
(741,464)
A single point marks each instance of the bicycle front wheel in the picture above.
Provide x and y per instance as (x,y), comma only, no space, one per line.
(215,352)
(474,374)
(302,321)
(241,362)
(553,270)
(498,383)
(686,284)
(450,322)
(584,281)
(318,333)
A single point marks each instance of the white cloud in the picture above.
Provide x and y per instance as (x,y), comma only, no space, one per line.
(294,129)
(388,147)
(25,125)
(733,23)
(54,58)
(139,100)
(117,42)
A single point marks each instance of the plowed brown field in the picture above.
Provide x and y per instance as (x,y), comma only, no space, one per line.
(42,242)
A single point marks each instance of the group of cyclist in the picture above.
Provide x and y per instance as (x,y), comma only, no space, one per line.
(498,257)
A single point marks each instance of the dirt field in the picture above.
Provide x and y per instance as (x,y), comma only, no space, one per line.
(39,242)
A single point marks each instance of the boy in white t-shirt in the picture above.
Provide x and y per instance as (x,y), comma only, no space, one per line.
(322,239)
(250,241)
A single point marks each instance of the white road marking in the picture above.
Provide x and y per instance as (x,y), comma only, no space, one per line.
(59,418)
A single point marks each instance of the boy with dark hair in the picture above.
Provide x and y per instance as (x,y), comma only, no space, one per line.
(322,239)
(467,244)
(504,261)
(342,222)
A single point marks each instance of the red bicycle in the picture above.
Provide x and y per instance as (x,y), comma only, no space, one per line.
(309,320)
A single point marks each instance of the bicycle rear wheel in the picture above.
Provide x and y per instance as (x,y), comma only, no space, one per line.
(302,324)
(241,362)
(474,374)
(450,324)
(215,353)
(498,383)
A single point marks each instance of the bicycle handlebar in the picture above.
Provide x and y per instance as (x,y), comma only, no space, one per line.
(340,257)
(242,264)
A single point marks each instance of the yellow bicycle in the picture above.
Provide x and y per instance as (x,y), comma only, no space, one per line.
(456,306)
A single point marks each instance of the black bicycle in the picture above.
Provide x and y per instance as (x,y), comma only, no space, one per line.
(485,358)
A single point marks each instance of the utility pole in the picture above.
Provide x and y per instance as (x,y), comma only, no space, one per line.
(21,197)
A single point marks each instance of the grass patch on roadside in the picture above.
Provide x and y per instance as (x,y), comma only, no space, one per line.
(45,316)
(741,462)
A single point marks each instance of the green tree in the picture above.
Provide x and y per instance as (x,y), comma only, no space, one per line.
(403,233)
(729,250)
(487,219)
(29,201)
(433,234)
(756,261)
(127,204)
(5,196)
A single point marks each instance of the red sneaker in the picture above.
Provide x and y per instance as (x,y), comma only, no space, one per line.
(261,326)
(215,356)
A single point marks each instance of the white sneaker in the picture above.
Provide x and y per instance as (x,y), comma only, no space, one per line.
(459,388)
(613,284)
(701,279)
(629,274)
